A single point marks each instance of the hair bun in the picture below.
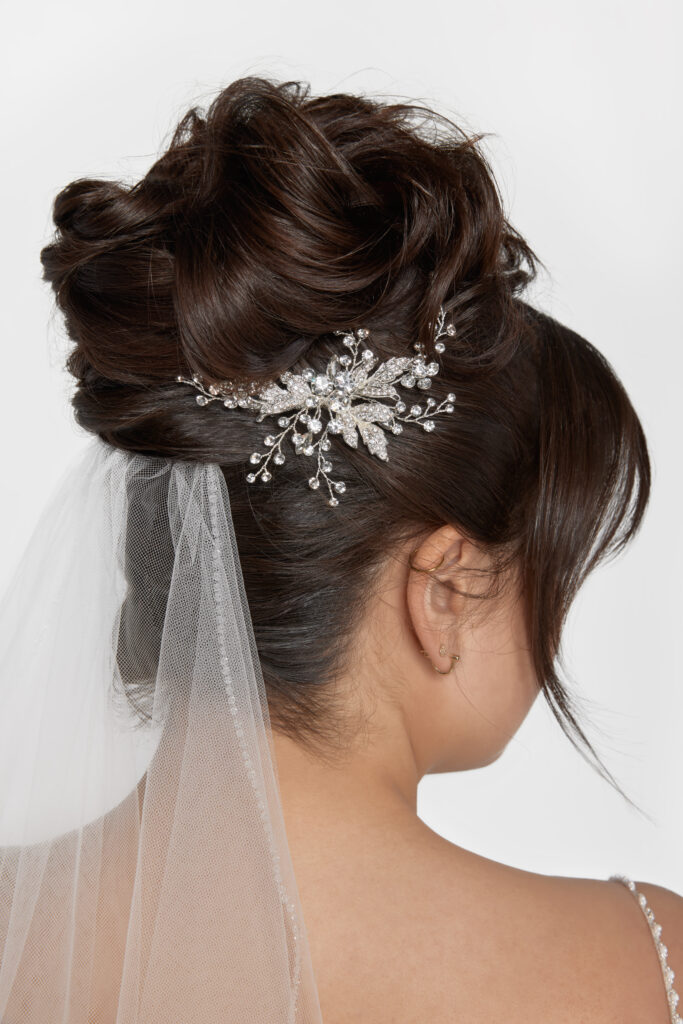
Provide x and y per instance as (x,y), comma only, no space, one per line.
(271,219)
(86,209)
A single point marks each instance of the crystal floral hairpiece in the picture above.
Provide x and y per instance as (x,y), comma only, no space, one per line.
(347,380)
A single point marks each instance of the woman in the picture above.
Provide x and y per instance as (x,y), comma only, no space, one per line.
(345,486)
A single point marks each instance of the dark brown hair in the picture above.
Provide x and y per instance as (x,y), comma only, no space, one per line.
(274,218)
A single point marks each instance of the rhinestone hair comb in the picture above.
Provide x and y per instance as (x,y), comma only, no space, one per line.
(348,392)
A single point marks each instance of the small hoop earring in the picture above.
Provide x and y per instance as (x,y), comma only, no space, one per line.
(442,652)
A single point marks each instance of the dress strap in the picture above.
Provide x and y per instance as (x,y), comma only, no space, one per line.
(662,951)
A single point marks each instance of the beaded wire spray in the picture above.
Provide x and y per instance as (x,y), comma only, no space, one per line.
(348,391)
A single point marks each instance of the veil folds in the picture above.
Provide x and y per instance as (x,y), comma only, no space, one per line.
(145,876)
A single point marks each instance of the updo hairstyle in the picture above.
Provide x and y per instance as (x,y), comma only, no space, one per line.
(272,219)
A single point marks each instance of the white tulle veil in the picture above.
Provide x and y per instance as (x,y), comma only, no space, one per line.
(145,870)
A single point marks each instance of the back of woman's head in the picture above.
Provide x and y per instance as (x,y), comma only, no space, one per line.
(273,219)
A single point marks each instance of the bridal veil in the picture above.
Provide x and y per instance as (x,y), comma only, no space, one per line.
(144,858)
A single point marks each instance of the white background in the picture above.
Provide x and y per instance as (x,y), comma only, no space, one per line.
(582,101)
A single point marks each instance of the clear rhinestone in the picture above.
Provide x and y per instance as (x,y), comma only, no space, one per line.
(430,402)
(349,340)
(368,355)
(230,403)
(315,425)
(242,402)
(268,440)
(440,347)
(310,402)
(282,422)
(432,369)
(250,478)
(314,483)
(308,374)
(450,330)
(449,407)
(335,427)
(278,458)
(428,425)
(450,396)
(362,332)
(322,384)
(424,383)
(333,501)
(345,360)
(400,407)
(408,381)
(308,449)
(265,475)
(415,410)
(202,400)
(325,445)
(339,486)
(255,457)
(397,429)
(326,466)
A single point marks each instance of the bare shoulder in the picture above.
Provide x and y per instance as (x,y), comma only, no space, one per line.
(608,944)
(435,932)
(589,937)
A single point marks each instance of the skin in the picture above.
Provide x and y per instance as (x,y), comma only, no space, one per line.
(403,925)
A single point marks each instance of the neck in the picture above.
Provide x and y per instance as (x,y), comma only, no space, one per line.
(370,782)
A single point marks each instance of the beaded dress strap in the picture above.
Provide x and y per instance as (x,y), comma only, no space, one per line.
(662,951)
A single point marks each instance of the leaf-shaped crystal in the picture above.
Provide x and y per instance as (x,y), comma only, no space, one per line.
(348,425)
(296,384)
(374,438)
(369,390)
(274,399)
(359,375)
(373,412)
(388,371)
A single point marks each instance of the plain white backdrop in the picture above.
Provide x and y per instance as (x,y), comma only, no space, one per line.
(582,104)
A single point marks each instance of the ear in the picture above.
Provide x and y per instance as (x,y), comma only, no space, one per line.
(432,605)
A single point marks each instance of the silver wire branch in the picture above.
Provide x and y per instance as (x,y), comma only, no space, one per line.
(347,393)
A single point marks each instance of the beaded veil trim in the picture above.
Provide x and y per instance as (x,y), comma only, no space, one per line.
(662,951)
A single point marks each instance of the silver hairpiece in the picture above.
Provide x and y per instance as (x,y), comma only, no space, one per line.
(347,379)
